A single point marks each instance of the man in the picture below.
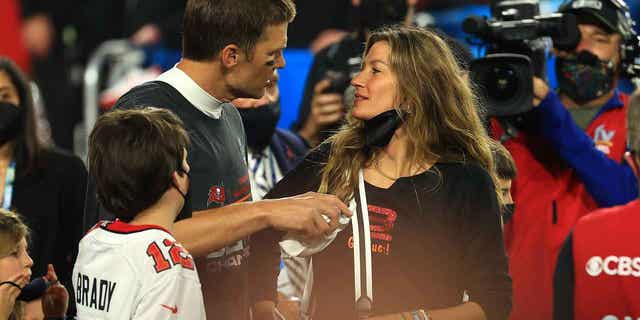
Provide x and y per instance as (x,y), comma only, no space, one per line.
(598,271)
(569,151)
(133,268)
(272,153)
(231,49)
(507,172)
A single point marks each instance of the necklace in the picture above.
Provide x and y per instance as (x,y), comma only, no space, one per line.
(375,165)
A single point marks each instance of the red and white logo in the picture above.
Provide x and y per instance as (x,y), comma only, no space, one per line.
(611,317)
(174,309)
(603,139)
(613,266)
(216,195)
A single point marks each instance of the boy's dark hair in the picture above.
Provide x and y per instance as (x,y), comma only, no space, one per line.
(505,166)
(210,25)
(132,156)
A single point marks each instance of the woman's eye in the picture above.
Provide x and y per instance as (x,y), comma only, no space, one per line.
(374,70)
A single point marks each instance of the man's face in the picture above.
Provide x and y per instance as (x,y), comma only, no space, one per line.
(597,41)
(252,76)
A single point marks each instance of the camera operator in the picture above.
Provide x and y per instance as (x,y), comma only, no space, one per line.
(569,152)
(592,278)
(323,107)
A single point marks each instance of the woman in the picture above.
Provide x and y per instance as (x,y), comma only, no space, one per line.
(45,185)
(415,135)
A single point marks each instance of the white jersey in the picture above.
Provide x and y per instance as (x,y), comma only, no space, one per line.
(128,271)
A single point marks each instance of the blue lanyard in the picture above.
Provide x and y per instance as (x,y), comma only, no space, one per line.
(8,185)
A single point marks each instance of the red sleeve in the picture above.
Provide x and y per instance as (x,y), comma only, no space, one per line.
(11,45)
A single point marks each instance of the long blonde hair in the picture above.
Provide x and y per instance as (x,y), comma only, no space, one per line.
(442,120)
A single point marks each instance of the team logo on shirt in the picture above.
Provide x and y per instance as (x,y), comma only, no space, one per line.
(174,310)
(381,223)
(216,195)
(603,139)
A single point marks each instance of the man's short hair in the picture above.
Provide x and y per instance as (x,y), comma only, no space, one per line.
(132,156)
(505,166)
(210,25)
(633,123)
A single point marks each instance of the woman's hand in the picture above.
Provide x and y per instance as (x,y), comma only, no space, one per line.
(9,292)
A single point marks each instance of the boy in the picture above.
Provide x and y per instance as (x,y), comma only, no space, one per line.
(133,268)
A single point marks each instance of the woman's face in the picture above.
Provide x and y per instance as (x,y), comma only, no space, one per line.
(376,84)
(16,261)
(8,91)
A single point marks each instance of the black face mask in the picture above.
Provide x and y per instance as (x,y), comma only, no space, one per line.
(507,212)
(379,129)
(186,211)
(10,121)
(260,124)
(584,77)
(33,290)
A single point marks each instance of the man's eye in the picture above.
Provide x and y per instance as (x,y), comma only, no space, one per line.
(271,63)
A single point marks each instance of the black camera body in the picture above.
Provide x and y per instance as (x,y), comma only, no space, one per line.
(339,81)
(516,52)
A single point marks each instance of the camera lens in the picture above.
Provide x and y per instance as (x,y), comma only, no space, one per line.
(503,83)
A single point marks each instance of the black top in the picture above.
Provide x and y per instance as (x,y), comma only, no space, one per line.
(434,235)
(51,200)
(219,177)
(563,280)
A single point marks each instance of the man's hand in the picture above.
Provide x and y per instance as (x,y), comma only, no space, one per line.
(271,95)
(303,214)
(9,293)
(56,299)
(540,91)
(149,34)
(326,109)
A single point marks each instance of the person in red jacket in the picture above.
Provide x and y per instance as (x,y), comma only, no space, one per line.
(598,271)
(12,45)
(569,151)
